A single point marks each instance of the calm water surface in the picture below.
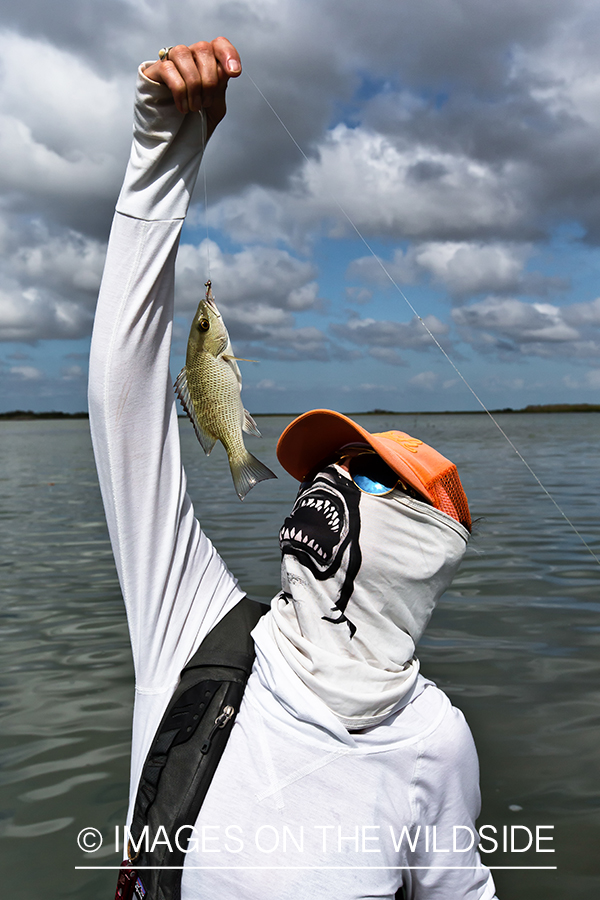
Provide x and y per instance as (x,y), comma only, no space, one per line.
(514,643)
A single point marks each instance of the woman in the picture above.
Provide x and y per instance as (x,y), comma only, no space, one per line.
(346,772)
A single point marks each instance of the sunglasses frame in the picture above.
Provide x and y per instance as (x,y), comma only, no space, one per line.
(356,453)
(350,451)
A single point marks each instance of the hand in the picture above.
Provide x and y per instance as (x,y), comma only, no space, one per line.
(197,77)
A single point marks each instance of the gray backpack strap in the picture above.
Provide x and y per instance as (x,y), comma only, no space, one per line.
(187,747)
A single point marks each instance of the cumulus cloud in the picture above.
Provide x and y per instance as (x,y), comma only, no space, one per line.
(48,283)
(465,143)
(288,343)
(463,136)
(252,278)
(509,326)
(425,381)
(267,384)
(260,289)
(70,262)
(64,133)
(40,388)
(28,316)
(589,380)
(72,373)
(583,313)
(373,179)
(27,373)
(382,339)
(467,268)
(463,268)
(462,142)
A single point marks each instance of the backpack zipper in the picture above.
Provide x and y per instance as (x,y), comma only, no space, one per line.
(225,716)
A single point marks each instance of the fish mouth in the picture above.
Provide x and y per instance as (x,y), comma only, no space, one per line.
(212,305)
(208,303)
(317,527)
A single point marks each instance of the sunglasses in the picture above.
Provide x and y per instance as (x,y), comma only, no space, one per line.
(370,473)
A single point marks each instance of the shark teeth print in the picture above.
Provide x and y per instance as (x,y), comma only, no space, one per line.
(290,534)
(317,527)
(327,509)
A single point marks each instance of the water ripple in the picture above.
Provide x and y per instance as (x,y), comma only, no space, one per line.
(515,642)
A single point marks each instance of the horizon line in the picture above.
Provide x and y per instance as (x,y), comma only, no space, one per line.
(25,414)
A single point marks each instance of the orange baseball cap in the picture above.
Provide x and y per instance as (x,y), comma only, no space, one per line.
(316,435)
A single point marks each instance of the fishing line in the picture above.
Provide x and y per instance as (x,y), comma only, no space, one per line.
(204,142)
(429,332)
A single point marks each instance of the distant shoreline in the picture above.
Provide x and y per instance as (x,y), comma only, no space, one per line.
(21,415)
(25,415)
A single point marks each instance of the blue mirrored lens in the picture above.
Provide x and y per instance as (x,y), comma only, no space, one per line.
(372,475)
(369,486)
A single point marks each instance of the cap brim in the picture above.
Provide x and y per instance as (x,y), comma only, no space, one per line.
(316,435)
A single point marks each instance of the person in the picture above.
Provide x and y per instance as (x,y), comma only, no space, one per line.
(346,772)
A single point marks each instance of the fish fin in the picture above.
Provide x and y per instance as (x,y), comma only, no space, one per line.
(247,473)
(183,392)
(250,426)
(230,359)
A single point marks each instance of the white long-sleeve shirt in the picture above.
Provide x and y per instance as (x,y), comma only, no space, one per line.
(299,808)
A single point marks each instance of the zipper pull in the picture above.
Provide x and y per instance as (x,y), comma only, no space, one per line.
(221,721)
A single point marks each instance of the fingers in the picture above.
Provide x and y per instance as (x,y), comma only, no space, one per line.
(191,74)
(228,57)
(210,78)
(197,75)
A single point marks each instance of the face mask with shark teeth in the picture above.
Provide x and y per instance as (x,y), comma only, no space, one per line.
(322,533)
(360,577)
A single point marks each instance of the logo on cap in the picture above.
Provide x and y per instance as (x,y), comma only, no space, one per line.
(411,444)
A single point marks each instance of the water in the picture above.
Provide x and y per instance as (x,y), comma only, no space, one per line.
(514,643)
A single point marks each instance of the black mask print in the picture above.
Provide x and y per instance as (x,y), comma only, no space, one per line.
(323,530)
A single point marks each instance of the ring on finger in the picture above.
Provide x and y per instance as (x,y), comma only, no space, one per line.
(163,54)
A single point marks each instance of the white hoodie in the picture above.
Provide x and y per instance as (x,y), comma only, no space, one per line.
(299,807)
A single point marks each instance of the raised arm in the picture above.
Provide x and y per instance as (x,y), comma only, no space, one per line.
(174,583)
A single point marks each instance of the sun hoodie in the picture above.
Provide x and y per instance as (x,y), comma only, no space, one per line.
(346,772)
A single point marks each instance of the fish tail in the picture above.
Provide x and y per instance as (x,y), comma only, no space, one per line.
(247,472)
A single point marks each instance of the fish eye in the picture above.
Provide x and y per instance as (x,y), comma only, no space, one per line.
(203,324)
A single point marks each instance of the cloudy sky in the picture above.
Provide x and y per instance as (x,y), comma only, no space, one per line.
(460,137)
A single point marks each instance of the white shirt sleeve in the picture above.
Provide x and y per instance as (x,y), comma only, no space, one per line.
(175,585)
(446,802)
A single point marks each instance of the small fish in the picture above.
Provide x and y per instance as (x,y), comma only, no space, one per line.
(209,388)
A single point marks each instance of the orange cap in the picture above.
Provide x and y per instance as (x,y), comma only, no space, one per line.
(316,435)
